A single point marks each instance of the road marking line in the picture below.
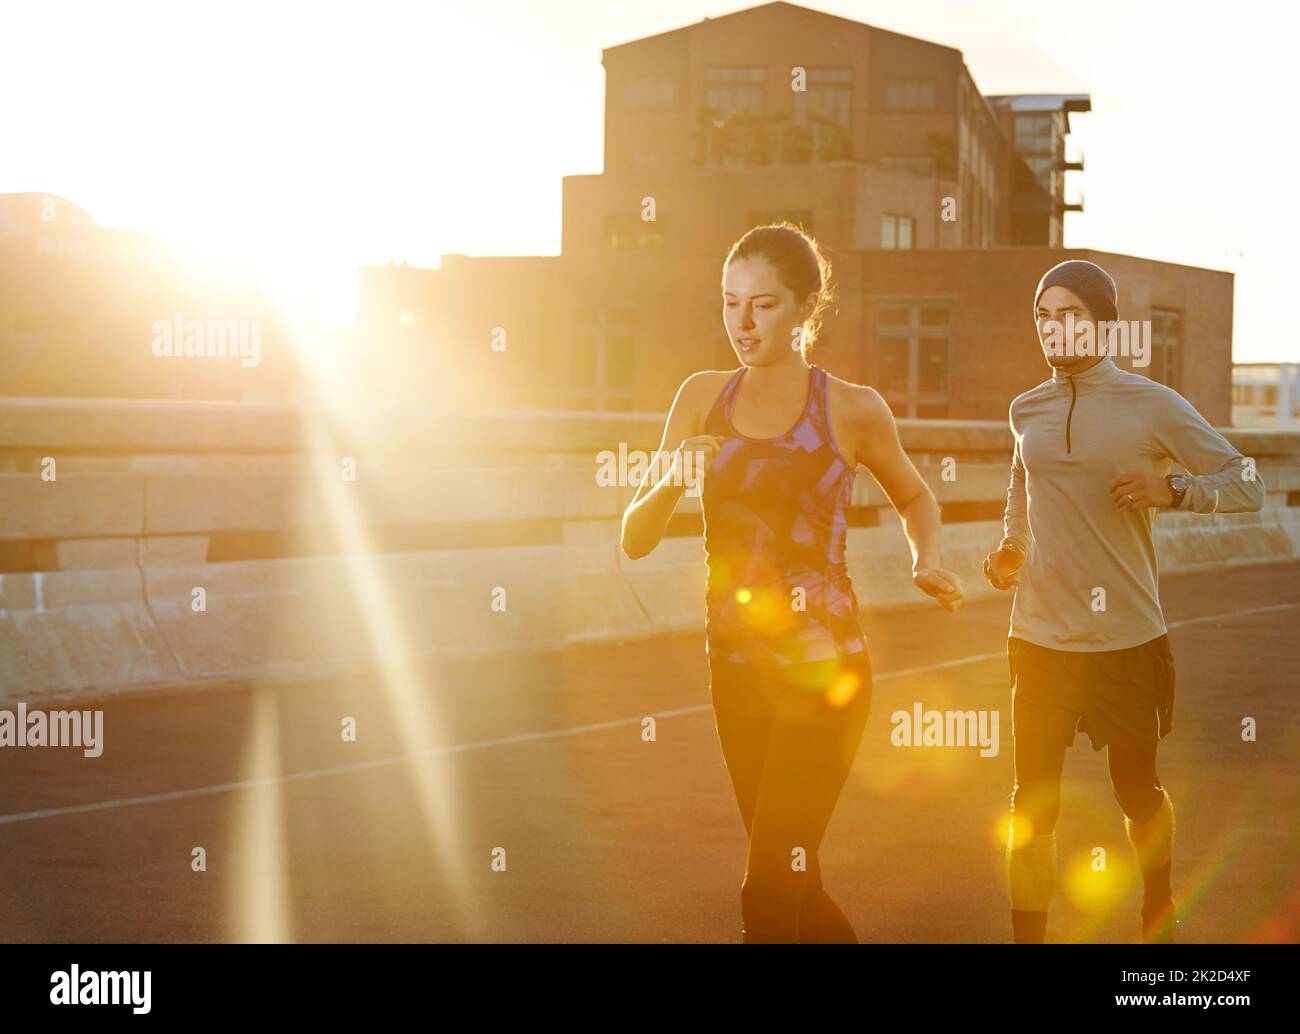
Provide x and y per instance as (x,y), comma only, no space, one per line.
(401,759)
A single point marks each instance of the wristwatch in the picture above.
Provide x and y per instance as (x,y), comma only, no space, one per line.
(1178,485)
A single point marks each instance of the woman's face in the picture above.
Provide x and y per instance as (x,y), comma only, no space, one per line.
(763,321)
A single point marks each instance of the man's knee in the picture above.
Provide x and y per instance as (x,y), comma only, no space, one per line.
(1139,797)
(1133,778)
(1139,800)
(1039,803)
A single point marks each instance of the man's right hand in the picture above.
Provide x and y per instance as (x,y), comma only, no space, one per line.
(1002,567)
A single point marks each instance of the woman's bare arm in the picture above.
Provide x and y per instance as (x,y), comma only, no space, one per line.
(877,447)
(646,518)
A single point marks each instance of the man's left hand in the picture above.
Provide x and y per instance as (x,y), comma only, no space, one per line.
(1138,490)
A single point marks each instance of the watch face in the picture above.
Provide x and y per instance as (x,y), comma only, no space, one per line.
(1180,483)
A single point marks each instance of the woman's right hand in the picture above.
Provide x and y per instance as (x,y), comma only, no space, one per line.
(693,458)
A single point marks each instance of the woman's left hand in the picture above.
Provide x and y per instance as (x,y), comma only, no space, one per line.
(943,585)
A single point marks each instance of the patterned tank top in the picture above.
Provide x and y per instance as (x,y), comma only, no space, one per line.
(775,522)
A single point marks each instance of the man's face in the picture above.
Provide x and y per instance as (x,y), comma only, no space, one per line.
(1056,304)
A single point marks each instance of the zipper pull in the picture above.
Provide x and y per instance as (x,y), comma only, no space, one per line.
(1070,415)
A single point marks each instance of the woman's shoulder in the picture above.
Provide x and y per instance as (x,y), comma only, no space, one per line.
(700,392)
(860,401)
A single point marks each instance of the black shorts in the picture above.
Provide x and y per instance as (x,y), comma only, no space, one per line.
(1106,693)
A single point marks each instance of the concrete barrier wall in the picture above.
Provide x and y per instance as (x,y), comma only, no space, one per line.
(85,632)
(119,541)
(69,632)
(106,506)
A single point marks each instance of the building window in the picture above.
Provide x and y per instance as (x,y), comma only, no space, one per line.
(913,349)
(649,92)
(910,95)
(732,91)
(1036,134)
(1166,353)
(897,232)
(829,94)
(627,231)
(601,363)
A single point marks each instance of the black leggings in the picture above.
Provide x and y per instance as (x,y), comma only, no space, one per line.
(1037,791)
(789,736)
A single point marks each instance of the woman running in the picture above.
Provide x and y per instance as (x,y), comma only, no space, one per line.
(789,671)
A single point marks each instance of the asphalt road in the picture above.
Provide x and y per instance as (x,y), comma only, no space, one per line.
(514,799)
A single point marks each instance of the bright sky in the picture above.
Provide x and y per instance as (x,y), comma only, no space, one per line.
(309,139)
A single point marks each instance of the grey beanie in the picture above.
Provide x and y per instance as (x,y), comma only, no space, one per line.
(1089,281)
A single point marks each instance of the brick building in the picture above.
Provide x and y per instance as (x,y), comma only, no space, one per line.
(872,141)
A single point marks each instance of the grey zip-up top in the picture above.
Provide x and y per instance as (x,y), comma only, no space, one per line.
(1090,580)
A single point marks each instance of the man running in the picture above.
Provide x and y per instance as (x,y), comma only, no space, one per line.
(1087,647)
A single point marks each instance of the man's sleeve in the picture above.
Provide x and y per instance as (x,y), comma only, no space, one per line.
(1221,479)
(1015,519)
